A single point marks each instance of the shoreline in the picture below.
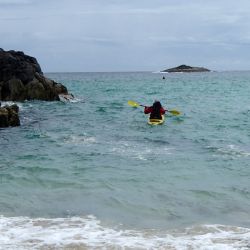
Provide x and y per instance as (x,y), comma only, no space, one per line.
(87,232)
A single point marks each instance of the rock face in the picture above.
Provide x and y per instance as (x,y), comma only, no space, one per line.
(21,78)
(185,68)
(9,116)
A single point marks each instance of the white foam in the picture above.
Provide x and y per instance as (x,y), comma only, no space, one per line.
(78,232)
(234,150)
(70,98)
(9,103)
(140,152)
(81,139)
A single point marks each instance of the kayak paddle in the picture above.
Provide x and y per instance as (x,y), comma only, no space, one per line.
(135,104)
(174,112)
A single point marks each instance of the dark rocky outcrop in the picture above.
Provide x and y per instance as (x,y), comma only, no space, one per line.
(9,116)
(21,78)
(185,68)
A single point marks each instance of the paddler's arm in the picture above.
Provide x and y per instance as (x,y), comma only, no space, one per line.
(147,110)
(163,111)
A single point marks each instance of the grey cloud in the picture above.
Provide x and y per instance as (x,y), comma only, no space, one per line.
(14,2)
(111,34)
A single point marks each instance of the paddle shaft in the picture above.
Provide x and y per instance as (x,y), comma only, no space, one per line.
(135,104)
(147,106)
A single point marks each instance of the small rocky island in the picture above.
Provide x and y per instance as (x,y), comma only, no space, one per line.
(186,69)
(21,78)
(9,116)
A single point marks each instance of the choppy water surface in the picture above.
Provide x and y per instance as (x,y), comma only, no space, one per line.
(93,173)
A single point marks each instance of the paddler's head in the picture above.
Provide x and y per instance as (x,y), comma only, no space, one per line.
(156,105)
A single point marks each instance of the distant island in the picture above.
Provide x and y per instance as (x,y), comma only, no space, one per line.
(186,69)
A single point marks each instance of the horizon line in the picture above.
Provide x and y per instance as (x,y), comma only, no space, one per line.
(143,71)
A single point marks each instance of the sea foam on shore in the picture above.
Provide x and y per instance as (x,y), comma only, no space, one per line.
(88,232)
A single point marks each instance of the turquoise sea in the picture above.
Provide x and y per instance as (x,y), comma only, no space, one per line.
(92,174)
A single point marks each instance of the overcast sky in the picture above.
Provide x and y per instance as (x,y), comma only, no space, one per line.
(128,35)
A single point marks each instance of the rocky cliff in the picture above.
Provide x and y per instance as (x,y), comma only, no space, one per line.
(21,78)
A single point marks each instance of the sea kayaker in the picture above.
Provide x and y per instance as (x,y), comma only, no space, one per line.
(155,111)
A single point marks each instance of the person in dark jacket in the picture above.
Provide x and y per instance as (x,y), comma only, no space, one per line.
(156,110)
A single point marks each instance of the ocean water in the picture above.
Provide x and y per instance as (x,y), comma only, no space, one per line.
(92,174)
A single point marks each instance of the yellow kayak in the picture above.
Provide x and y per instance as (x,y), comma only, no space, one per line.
(156,121)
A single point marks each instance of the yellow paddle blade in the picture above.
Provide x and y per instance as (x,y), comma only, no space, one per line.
(174,112)
(133,104)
